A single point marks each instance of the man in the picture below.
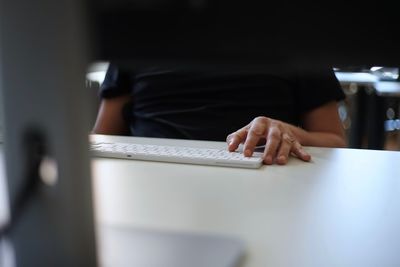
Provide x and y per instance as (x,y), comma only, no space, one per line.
(287,109)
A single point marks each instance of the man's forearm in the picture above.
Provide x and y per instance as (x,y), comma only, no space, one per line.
(324,139)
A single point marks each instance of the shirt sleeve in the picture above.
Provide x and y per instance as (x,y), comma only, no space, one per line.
(316,88)
(116,82)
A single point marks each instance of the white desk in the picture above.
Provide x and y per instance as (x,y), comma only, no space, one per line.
(342,209)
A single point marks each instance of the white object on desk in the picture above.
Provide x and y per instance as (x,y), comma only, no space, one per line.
(341,209)
(177,154)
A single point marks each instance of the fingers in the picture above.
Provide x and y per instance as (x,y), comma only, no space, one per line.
(255,133)
(280,142)
(287,142)
(272,145)
(287,146)
(250,135)
(299,152)
(236,138)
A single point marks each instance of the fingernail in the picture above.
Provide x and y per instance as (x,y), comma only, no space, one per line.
(247,152)
(282,159)
(305,155)
(268,160)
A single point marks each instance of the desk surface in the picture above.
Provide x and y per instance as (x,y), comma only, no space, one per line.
(341,209)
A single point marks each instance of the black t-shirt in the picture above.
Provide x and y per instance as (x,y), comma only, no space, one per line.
(210,105)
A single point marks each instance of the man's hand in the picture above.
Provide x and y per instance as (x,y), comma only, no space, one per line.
(277,136)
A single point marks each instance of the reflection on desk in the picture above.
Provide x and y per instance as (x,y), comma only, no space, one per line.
(341,209)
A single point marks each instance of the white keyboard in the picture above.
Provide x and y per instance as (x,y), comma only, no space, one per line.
(177,154)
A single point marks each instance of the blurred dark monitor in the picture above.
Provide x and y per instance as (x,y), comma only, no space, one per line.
(247,33)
